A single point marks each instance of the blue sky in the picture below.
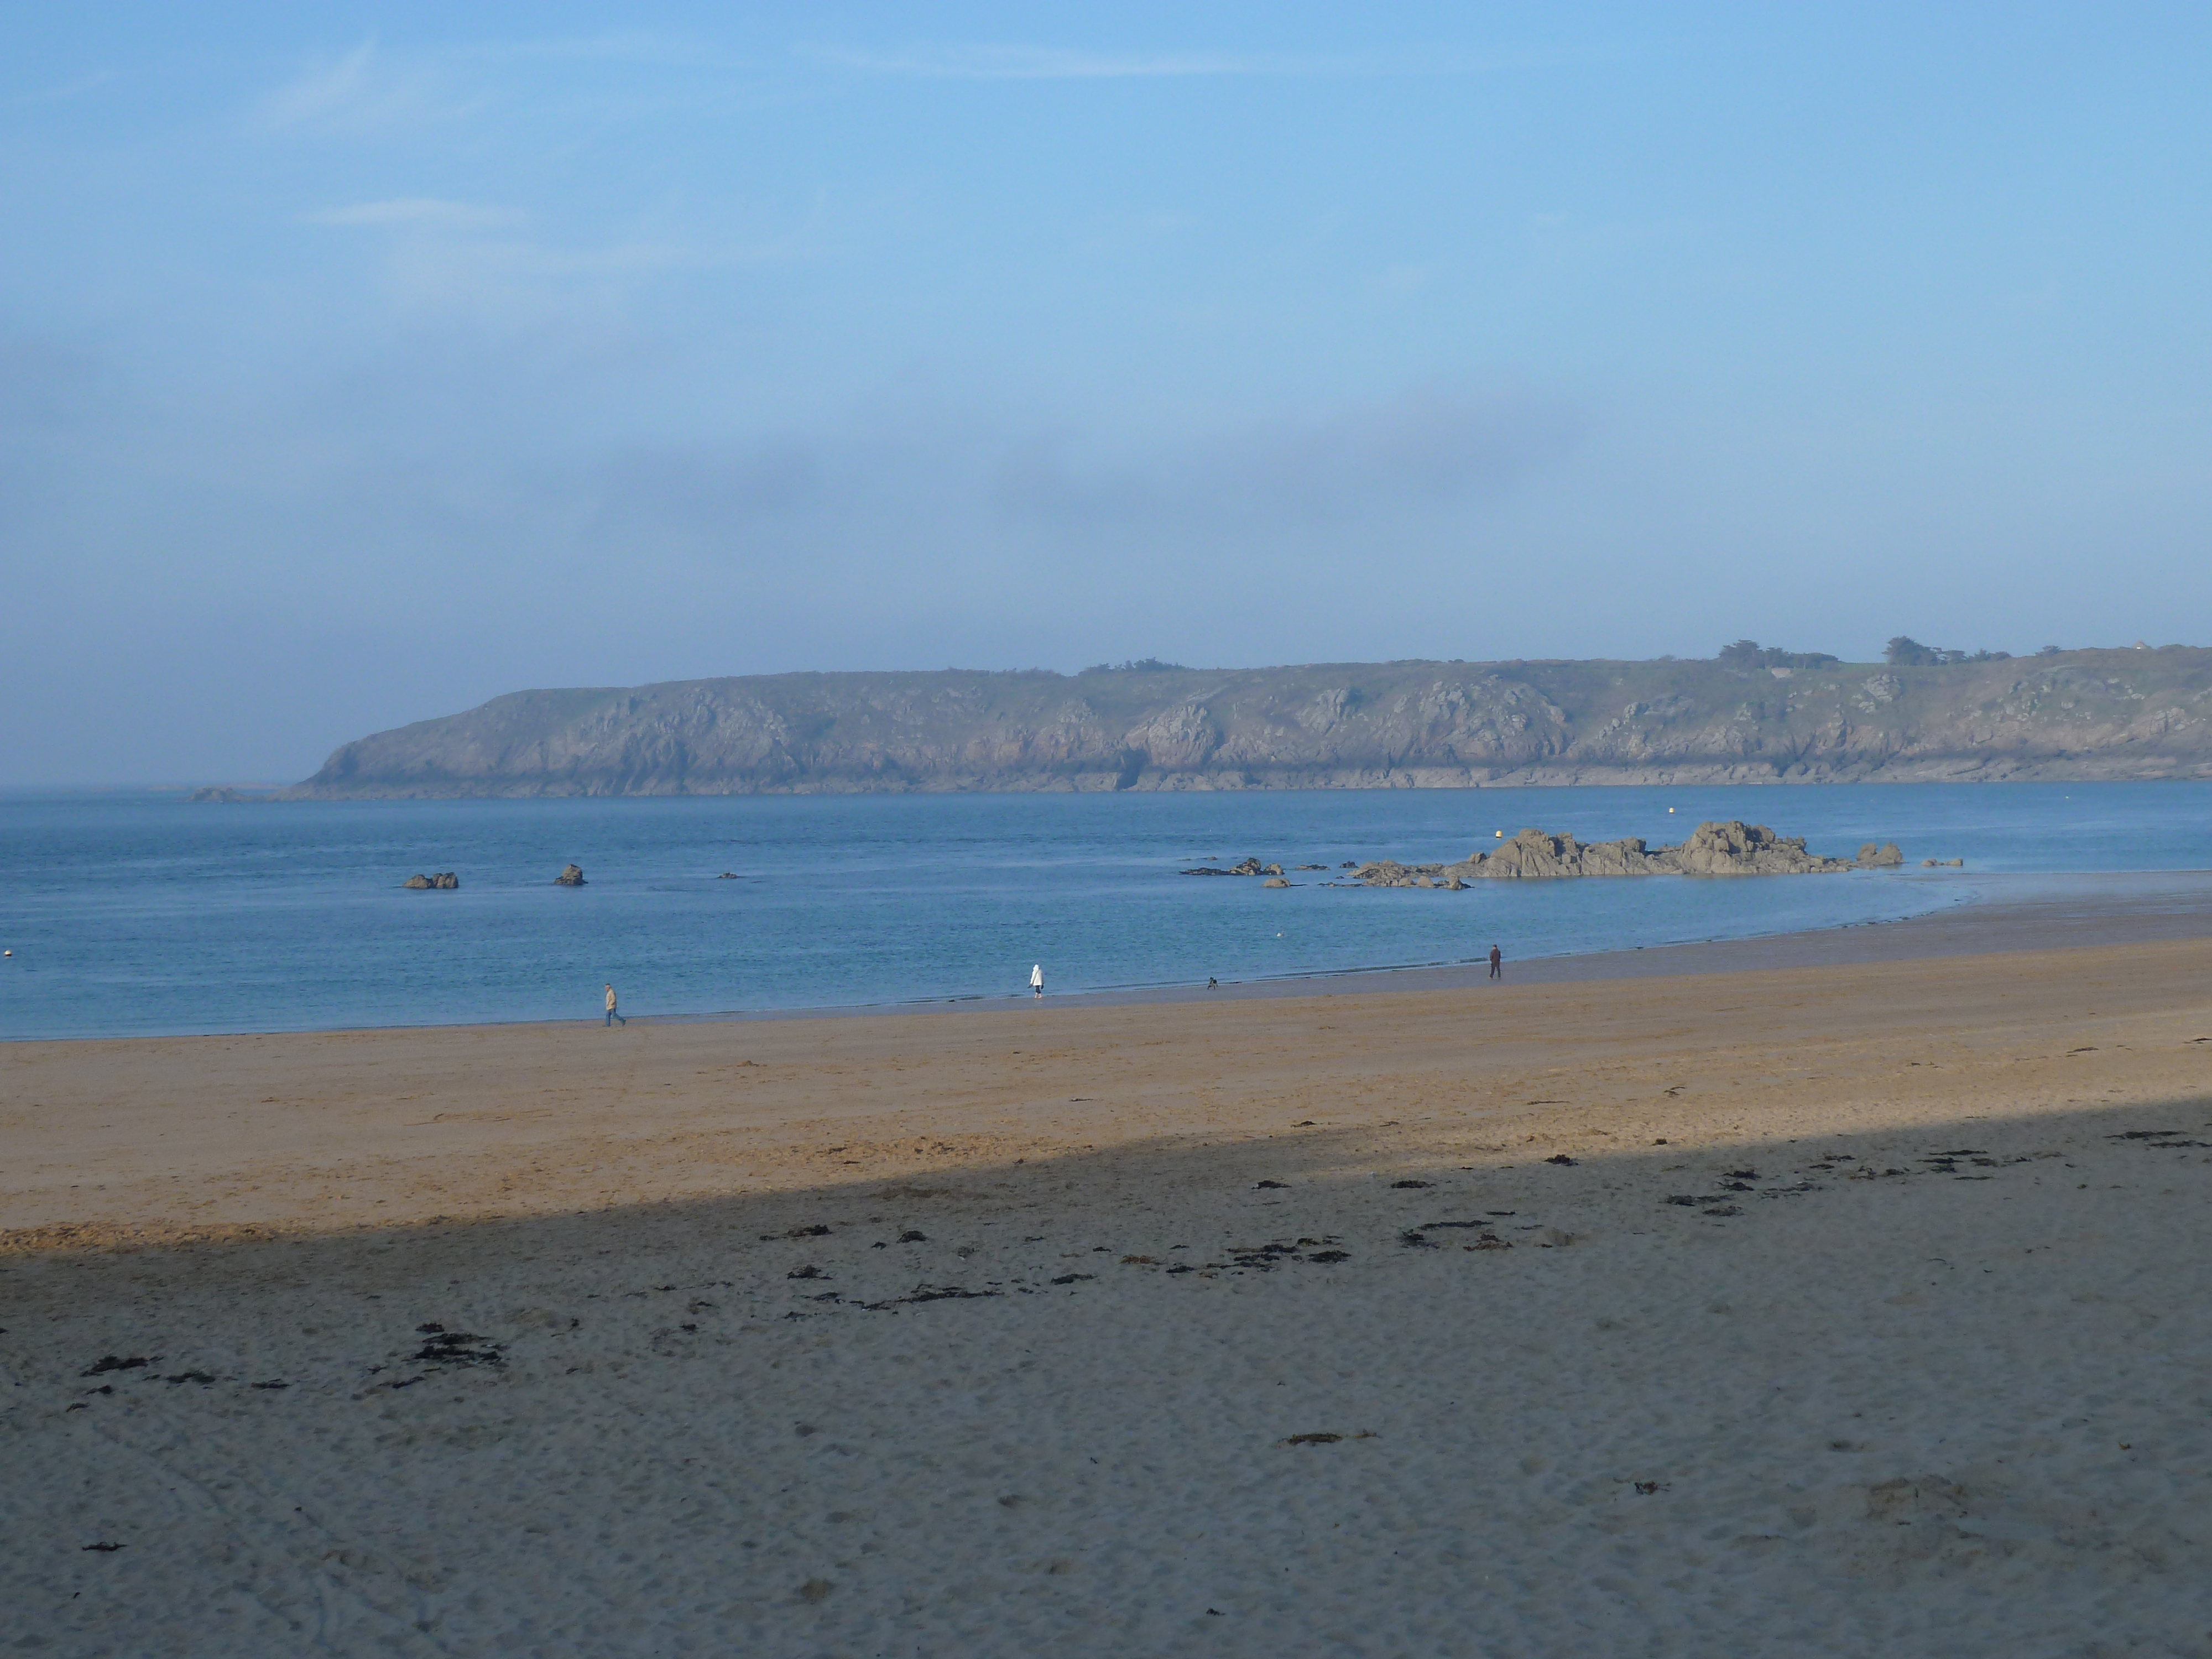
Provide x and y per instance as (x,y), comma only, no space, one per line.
(357,364)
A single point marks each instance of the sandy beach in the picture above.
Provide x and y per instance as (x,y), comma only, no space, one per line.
(1824,1306)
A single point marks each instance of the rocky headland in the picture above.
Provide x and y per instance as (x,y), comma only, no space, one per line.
(2072,714)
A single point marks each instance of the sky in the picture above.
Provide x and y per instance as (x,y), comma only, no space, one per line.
(358,364)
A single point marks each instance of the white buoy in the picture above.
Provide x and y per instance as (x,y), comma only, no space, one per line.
(1670,809)
(6,953)
(1501,835)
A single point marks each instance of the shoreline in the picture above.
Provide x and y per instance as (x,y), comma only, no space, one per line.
(169,1139)
(2165,904)
(2042,911)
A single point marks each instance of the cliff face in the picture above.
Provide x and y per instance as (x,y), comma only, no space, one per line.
(2080,714)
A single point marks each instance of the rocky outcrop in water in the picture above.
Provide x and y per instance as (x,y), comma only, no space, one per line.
(445,880)
(571,876)
(1393,726)
(1730,849)
(220,794)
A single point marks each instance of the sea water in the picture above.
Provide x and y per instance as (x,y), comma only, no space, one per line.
(142,913)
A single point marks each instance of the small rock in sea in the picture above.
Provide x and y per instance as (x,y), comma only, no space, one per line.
(571,876)
(729,875)
(444,881)
(1561,1158)
(911,1237)
(1274,881)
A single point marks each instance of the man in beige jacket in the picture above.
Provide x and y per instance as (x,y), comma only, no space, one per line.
(612,1017)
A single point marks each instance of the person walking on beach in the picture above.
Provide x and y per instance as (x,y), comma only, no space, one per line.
(613,1018)
(1037,978)
(1496,962)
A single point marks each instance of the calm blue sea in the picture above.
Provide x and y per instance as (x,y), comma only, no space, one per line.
(139,914)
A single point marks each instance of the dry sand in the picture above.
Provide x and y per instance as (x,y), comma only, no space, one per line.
(1366,1323)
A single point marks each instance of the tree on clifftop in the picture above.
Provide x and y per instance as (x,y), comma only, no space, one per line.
(1746,655)
(1905,651)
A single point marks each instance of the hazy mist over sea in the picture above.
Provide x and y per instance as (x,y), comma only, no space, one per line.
(356,366)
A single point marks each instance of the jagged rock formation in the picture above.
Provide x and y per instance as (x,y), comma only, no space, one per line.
(1732,848)
(571,876)
(217,794)
(2077,714)
(445,880)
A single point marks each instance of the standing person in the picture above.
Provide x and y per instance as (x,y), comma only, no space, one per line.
(613,1018)
(1496,961)
(1037,978)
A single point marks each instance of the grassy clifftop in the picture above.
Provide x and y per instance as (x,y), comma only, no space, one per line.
(2128,714)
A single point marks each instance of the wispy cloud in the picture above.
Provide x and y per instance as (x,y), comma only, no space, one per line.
(323,90)
(631,47)
(419,213)
(1428,445)
(365,90)
(83,84)
(1014,61)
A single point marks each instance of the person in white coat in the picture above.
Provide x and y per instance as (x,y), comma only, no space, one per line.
(613,1018)
(1037,978)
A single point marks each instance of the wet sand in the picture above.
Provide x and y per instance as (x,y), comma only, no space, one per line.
(1832,1308)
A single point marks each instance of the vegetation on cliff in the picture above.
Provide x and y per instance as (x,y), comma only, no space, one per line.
(1754,714)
